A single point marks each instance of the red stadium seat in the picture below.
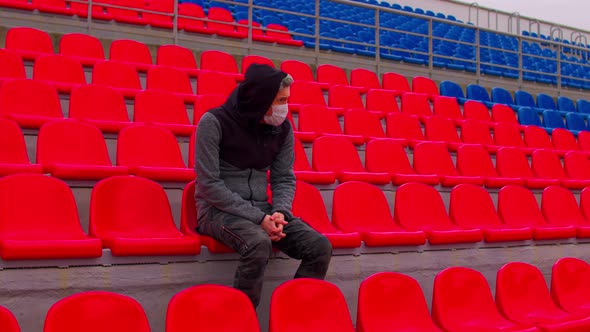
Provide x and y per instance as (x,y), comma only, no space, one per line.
(96,311)
(205,103)
(340,156)
(363,123)
(474,160)
(474,309)
(563,139)
(171,80)
(448,107)
(404,126)
(503,113)
(434,158)
(333,75)
(389,156)
(390,301)
(477,132)
(584,140)
(227,29)
(546,164)
(13,150)
(99,12)
(309,305)
(442,130)
(11,66)
(63,72)
(522,296)
(577,165)
(416,104)
(559,207)
(282,35)
(208,305)
(100,106)
(512,163)
(29,103)
(74,150)
(309,206)
(364,78)
(54,7)
(220,62)
(18,4)
(132,53)
(132,217)
(117,75)
(130,16)
(308,93)
(396,83)
(178,57)
(7,321)
(213,83)
(304,172)
(250,59)
(345,98)
(517,207)
(85,48)
(28,42)
(509,135)
(163,109)
(197,22)
(426,86)
(477,111)
(153,153)
(471,207)
(163,17)
(570,289)
(376,226)
(257,33)
(383,101)
(39,220)
(301,72)
(419,207)
(323,122)
(537,138)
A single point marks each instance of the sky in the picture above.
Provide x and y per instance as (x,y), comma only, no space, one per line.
(574,13)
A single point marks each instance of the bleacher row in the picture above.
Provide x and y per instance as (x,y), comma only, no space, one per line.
(387,301)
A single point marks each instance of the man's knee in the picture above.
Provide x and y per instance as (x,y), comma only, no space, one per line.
(322,248)
(259,247)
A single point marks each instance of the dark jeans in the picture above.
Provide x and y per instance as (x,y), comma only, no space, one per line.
(254,246)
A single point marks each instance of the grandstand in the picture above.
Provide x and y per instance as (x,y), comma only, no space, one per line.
(463,130)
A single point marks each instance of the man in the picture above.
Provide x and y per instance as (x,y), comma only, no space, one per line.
(236,145)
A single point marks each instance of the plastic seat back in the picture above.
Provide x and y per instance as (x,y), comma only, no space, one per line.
(387,156)
(58,68)
(512,163)
(440,129)
(30,98)
(345,97)
(381,100)
(250,59)
(565,104)
(537,138)
(28,41)
(563,139)
(402,125)
(168,79)
(96,311)
(419,207)
(361,122)
(160,107)
(8,322)
(447,107)
(424,85)
(305,93)
(309,206)
(476,132)
(148,146)
(559,207)
(508,134)
(115,75)
(503,113)
(81,46)
(218,61)
(518,207)
(583,106)
(332,75)
(416,104)
(13,149)
(546,165)
(569,284)
(433,158)
(477,111)
(335,154)
(472,207)
(524,98)
(396,82)
(220,14)
(451,89)
(577,165)
(298,70)
(553,119)
(205,103)
(364,78)
(213,83)
(176,56)
(319,119)
(474,160)
(546,101)
(502,96)
(576,122)
(130,51)
(96,102)
(301,162)
(477,92)
(11,65)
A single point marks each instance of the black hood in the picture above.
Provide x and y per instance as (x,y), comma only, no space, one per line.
(253,97)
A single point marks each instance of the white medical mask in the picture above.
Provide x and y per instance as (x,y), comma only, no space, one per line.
(279,113)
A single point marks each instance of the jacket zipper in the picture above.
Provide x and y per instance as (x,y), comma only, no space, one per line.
(234,235)
(249,187)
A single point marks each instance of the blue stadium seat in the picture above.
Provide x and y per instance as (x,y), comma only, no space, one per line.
(452,89)
(503,96)
(583,106)
(576,122)
(565,104)
(528,117)
(552,120)
(545,101)
(525,99)
(479,93)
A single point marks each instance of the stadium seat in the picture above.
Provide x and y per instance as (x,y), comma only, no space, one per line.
(100,106)
(96,311)
(363,123)
(29,103)
(208,305)
(308,93)
(227,29)
(29,43)
(257,33)
(576,122)
(503,113)
(132,217)
(18,4)
(309,305)
(161,20)
(384,101)
(130,16)
(74,150)
(471,207)
(39,220)
(416,104)
(338,155)
(13,150)
(63,72)
(509,135)
(546,164)
(477,132)
(99,12)
(214,83)
(452,89)
(153,153)
(525,99)
(205,103)
(333,75)
(117,75)
(425,85)
(570,289)
(11,66)
(546,102)
(222,62)
(522,296)
(518,207)
(474,309)
(84,48)
(364,78)
(583,106)
(478,93)
(8,322)
(434,158)
(309,206)
(406,127)
(419,207)
(171,80)
(577,165)
(323,122)
(564,140)
(511,162)
(503,96)
(395,83)
(188,222)
(537,138)
(442,130)
(584,141)
(474,160)
(376,226)
(389,301)
(131,52)
(197,22)
(559,207)
(250,59)
(448,107)
(476,110)
(389,156)
(304,172)
(162,109)
(565,104)
(282,36)
(344,98)
(301,72)
(178,57)
(552,120)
